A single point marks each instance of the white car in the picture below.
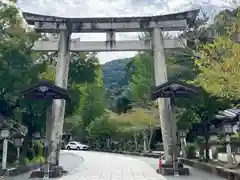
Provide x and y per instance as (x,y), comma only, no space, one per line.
(76,146)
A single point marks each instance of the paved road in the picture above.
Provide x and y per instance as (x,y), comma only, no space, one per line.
(106,166)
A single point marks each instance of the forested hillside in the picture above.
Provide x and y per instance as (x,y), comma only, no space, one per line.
(114,73)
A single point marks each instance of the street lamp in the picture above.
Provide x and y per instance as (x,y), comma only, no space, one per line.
(5,134)
(18,144)
(228,129)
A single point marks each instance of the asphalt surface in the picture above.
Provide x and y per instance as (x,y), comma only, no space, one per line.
(87,165)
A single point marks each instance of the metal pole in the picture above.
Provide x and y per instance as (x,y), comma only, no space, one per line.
(160,71)
(58,110)
(4,154)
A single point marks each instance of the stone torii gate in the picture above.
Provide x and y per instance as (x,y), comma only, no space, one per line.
(65,26)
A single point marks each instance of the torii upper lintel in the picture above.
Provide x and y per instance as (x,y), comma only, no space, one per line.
(169,22)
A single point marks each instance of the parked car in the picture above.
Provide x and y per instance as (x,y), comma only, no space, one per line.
(76,146)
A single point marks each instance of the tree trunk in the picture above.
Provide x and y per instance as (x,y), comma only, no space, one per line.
(183,146)
(108,144)
(124,145)
(135,142)
(150,138)
(206,148)
(145,148)
(26,142)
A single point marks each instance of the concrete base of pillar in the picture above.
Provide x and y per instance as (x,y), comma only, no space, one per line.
(180,165)
(54,172)
(170,171)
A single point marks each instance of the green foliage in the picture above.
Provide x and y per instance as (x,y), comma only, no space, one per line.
(200,108)
(38,160)
(101,128)
(185,118)
(142,78)
(38,148)
(218,64)
(75,126)
(25,161)
(94,104)
(30,153)
(179,68)
(191,150)
(123,105)
(235,136)
(84,67)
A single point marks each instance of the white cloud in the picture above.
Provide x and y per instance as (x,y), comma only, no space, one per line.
(107,8)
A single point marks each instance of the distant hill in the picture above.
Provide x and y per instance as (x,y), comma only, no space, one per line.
(114,73)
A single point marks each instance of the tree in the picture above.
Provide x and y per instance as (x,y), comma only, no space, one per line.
(142,78)
(218,65)
(74,125)
(19,68)
(94,103)
(123,104)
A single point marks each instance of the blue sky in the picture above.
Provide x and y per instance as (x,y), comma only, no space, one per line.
(106,8)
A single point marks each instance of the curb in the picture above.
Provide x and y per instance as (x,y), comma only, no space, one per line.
(215,170)
(77,156)
(151,155)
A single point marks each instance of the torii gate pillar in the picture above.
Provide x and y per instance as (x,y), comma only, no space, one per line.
(58,108)
(160,71)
